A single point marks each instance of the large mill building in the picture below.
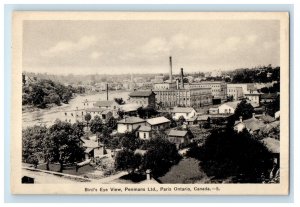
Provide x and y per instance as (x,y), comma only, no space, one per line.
(174,93)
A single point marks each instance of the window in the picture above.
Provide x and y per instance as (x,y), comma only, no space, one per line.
(144,135)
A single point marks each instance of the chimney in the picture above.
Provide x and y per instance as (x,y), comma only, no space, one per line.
(170,69)
(177,83)
(253,115)
(148,174)
(181,75)
(241,119)
(107,91)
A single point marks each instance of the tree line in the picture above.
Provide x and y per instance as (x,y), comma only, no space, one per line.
(42,93)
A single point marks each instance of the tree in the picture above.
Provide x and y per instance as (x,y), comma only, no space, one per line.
(32,142)
(119,101)
(87,118)
(169,116)
(243,109)
(181,120)
(112,123)
(96,124)
(62,144)
(146,112)
(130,141)
(160,156)
(230,154)
(121,113)
(127,160)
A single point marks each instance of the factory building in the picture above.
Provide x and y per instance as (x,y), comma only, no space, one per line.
(173,93)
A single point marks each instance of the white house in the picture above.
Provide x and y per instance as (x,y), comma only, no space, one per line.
(128,124)
(228,108)
(112,105)
(186,112)
(144,132)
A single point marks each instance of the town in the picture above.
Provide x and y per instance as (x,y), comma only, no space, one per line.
(179,127)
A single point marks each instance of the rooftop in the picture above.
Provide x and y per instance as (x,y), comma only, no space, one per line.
(145,129)
(183,109)
(141,93)
(232,104)
(89,143)
(158,120)
(177,133)
(269,95)
(131,120)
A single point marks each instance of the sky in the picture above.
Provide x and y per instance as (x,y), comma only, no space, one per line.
(126,46)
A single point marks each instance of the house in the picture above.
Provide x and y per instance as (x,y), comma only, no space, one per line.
(213,110)
(252,125)
(112,105)
(273,145)
(144,132)
(158,123)
(178,137)
(192,120)
(277,115)
(266,118)
(130,109)
(202,120)
(228,108)
(186,112)
(254,98)
(268,97)
(104,114)
(93,148)
(128,124)
(143,98)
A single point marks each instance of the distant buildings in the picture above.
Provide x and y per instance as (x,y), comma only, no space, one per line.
(143,98)
(235,92)
(218,88)
(158,123)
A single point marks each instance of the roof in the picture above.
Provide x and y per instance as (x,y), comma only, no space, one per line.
(253,124)
(273,145)
(177,133)
(131,120)
(145,129)
(158,120)
(182,109)
(88,150)
(267,118)
(202,118)
(103,103)
(94,109)
(192,118)
(268,95)
(89,143)
(232,104)
(141,93)
(130,107)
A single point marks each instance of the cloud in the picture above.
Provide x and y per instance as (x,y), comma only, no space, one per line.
(70,46)
(155,46)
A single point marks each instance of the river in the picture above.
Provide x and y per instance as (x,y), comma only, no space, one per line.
(48,116)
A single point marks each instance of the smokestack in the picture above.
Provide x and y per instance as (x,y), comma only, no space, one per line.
(177,83)
(241,119)
(170,69)
(107,91)
(181,74)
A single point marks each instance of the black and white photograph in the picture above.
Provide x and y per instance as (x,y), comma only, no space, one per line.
(150,103)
